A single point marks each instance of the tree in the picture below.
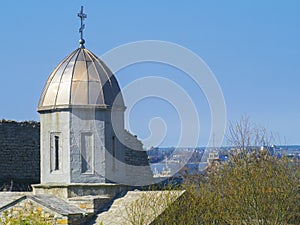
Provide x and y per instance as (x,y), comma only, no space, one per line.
(244,135)
(251,187)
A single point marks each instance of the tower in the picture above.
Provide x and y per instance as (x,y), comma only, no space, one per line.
(83,140)
(76,108)
(86,154)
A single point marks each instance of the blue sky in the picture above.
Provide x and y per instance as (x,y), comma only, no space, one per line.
(252,47)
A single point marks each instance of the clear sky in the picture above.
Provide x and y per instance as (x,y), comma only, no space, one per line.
(252,47)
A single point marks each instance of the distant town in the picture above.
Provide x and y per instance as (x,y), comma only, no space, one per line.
(159,154)
(166,161)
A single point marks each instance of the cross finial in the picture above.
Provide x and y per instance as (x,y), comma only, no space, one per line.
(82,16)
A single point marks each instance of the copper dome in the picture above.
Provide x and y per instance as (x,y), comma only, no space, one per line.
(80,80)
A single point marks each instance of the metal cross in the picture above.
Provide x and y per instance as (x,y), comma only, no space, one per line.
(82,17)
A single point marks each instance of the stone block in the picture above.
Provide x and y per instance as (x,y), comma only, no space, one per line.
(62,221)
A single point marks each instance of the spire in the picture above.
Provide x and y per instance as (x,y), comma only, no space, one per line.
(82,16)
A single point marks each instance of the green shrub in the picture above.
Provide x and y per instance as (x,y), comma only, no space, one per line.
(25,217)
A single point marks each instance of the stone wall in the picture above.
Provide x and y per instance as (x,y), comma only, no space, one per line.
(42,210)
(19,154)
(135,154)
(138,171)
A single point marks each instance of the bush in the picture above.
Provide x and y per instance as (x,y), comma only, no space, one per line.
(249,189)
(29,216)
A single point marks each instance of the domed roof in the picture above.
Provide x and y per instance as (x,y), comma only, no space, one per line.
(81,80)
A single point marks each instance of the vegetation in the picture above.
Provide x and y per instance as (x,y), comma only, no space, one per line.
(251,187)
(248,189)
(28,216)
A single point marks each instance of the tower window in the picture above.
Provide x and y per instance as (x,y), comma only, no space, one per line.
(56,157)
(114,146)
(113,151)
(55,151)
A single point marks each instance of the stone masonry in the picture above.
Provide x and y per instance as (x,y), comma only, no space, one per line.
(19,154)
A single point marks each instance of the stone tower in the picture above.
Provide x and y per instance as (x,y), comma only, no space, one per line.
(76,108)
(83,140)
(88,160)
